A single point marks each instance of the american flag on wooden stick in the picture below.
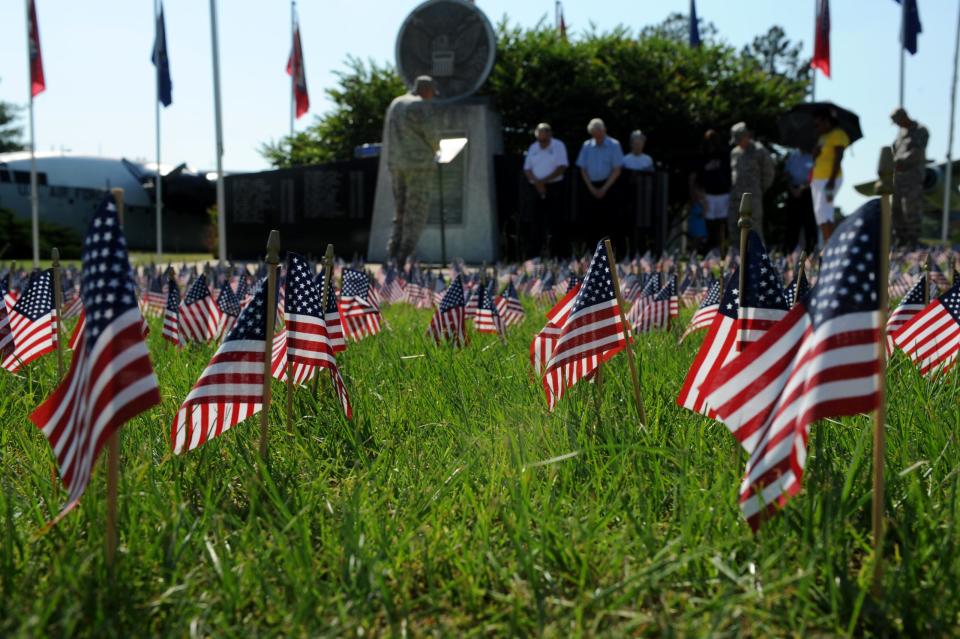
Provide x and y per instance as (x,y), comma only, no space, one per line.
(198,313)
(509,306)
(932,338)
(822,360)
(449,321)
(229,306)
(706,313)
(909,306)
(230,389)
(358,308)
(171,314)
(331,316)
(110,380)
(762,303)
(154,298)
(663,308)
(302,373)
(797,289)
(592,332)
(6,334)
(718,348)
(541,348)
(33,322)
(487,318)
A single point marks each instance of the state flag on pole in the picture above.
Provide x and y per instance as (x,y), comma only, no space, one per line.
(910,27)
(295,70)
(111,380)
(37,82)
(821,39)
(822,360)
(162,62)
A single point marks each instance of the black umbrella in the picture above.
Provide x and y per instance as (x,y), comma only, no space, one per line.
(797,130)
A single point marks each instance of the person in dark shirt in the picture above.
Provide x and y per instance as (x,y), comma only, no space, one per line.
(710,186)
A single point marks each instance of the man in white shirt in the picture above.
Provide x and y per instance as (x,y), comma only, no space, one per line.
(545,164)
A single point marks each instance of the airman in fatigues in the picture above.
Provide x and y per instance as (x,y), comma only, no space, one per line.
(751,171)
(910,160)
(411,145)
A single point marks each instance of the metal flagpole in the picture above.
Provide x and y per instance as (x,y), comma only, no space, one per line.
(293,71)
(903,47)
(221,196)
(34,201)
(159,179)
(947,178)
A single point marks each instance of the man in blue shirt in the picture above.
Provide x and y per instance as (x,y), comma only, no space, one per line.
(600,162)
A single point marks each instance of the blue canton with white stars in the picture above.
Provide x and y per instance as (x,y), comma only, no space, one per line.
(173,297)
(485,303)
(762,282)
(915,294)
(730,304)
(712,297)
(252,323)
(37,300)
(198,290)
(355,284)
(951,301)
(107,282)
(651,286)
(597,286)
(668,291)
(453,298)
(227,301)
(302,296)
(848,272)
(331,295)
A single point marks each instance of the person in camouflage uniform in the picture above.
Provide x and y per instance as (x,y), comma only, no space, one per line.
(751,171)
(411,146)
(910,160)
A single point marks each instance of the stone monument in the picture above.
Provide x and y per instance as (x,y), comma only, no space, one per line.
(454,42)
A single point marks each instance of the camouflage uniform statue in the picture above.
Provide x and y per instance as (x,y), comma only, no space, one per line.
(910,159)
(751,171)
(411,144)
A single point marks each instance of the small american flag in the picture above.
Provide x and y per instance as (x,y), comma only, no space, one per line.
(644,295)
(762,303)
(230,389)
(661,309)
(171,313)
(797,290)
(110,380)
(509,306)
(358,308)
(908,307)
(592,332)
(198,313)
(307,339)
(718,348)
(822,360)
(487,318)
(6,334)
(706,313)
(449,319)
(154,299)
(229,307)
(33,322)
(541,348)
(331,315)
(932,337)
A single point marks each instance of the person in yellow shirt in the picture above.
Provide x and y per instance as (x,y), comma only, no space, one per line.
(827,177)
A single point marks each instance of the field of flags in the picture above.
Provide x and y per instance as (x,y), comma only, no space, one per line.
(596,355)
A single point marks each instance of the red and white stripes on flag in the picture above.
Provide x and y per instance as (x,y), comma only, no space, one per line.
(932,338)
(199,314)
(908,307)
(33,323)
(704,316)
(541,348)
(6,334)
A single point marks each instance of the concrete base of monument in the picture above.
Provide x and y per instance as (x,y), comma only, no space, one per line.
(469,194)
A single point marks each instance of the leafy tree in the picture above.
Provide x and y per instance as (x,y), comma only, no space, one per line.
(9,131)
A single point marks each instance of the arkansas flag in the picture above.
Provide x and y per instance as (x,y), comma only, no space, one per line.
(821,39)
(296,71)
(37,84)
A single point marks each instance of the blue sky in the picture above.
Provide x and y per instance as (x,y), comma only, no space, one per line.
(101,84)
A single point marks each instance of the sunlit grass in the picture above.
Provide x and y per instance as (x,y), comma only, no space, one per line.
(455,504)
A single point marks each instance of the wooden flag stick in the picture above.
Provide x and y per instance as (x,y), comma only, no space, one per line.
(885,188)
(113,449)
(58,307)
(626,333)
(273,260)
(926,284)
(796,283)
(745,224)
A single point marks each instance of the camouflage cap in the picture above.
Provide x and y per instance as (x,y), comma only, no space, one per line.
(737,131)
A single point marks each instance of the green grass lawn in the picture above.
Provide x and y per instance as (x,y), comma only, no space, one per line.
(455,505)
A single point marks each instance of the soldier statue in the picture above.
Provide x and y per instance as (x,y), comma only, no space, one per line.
(910,160)
(411,146)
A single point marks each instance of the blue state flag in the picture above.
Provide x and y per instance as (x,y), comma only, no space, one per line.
(910,27)
(162,62)
(694,25)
